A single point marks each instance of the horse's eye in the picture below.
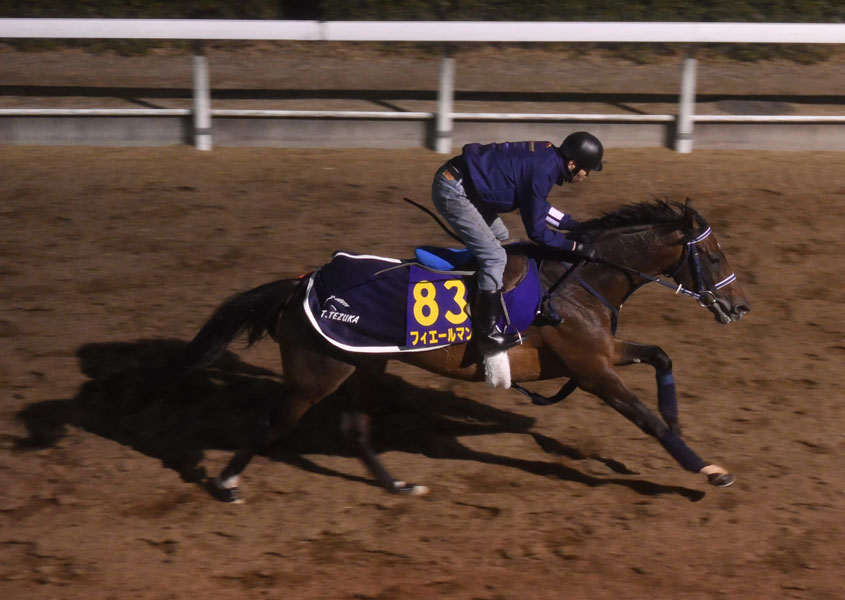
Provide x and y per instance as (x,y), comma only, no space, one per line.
(714,260)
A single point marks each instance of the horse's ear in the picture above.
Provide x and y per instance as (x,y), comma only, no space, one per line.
(689,213)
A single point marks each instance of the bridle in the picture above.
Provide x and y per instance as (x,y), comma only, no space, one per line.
(704,295)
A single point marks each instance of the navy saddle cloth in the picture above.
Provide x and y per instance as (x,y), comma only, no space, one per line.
(365,303)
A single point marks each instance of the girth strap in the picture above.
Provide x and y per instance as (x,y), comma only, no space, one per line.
(614,312)
(546,303)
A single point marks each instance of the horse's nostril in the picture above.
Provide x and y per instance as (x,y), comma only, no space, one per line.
(741,309)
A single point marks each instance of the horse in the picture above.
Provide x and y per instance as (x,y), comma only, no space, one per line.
(655,241)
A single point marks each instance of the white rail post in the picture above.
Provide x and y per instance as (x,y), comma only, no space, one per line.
(686,110)
(202,100)
(445,104)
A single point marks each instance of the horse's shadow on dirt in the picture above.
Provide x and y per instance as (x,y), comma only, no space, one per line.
(133,399)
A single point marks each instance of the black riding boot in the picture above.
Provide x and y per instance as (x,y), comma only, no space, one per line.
(489,339)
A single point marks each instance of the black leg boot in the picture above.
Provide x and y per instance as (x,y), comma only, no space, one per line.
(489,339)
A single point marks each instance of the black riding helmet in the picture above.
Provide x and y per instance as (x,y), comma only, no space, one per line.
(583,148)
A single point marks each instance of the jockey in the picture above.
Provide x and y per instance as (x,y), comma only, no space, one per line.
(471,189)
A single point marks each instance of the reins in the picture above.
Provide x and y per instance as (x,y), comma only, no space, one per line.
(704,297)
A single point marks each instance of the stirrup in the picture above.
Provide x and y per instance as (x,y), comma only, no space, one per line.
(497,342)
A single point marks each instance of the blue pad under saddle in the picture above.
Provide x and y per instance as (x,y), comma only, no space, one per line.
(443,259)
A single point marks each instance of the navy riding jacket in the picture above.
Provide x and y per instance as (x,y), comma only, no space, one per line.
(519,175)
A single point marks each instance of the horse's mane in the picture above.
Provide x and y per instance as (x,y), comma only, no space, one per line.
(654,212)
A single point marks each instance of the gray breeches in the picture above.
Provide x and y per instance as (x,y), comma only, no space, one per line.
(481,230)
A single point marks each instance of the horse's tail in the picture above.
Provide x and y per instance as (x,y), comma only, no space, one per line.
(255,312)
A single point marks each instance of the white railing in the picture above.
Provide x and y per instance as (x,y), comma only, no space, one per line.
(426,31)
(431,31)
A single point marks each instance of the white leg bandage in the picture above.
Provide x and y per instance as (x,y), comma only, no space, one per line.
(497,370)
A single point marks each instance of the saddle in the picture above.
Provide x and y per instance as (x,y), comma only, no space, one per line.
(461,259)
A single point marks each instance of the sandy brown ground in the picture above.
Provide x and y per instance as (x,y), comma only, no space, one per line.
(110,259)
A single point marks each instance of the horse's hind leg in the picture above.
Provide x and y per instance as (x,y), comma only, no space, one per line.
(627,353)
(362,391)
(310,377)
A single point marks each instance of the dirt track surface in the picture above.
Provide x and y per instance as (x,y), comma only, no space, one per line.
(111,259)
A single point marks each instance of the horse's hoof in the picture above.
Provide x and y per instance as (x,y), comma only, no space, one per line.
(720,479)
(230,495)
(717,476)
(410,489)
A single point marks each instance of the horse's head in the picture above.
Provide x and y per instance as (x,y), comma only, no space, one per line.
(656,238)
(705,271)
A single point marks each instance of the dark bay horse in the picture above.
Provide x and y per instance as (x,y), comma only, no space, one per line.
(638,244)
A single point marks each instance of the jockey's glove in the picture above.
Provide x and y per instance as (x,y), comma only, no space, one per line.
(585,251)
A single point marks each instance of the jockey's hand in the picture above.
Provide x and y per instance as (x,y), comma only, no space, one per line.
(585,251)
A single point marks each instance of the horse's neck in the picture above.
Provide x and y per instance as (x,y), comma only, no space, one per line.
(653,251)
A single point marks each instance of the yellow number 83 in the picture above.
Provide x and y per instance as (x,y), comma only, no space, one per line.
(426,310)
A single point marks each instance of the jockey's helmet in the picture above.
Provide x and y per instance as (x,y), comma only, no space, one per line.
(584,149)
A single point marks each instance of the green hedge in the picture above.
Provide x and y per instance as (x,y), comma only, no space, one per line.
(829,11)
(141,9)
(810,11)
(581,10)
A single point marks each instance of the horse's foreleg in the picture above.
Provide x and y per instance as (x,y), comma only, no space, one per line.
(608,386)
(361,392)
(627,353)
